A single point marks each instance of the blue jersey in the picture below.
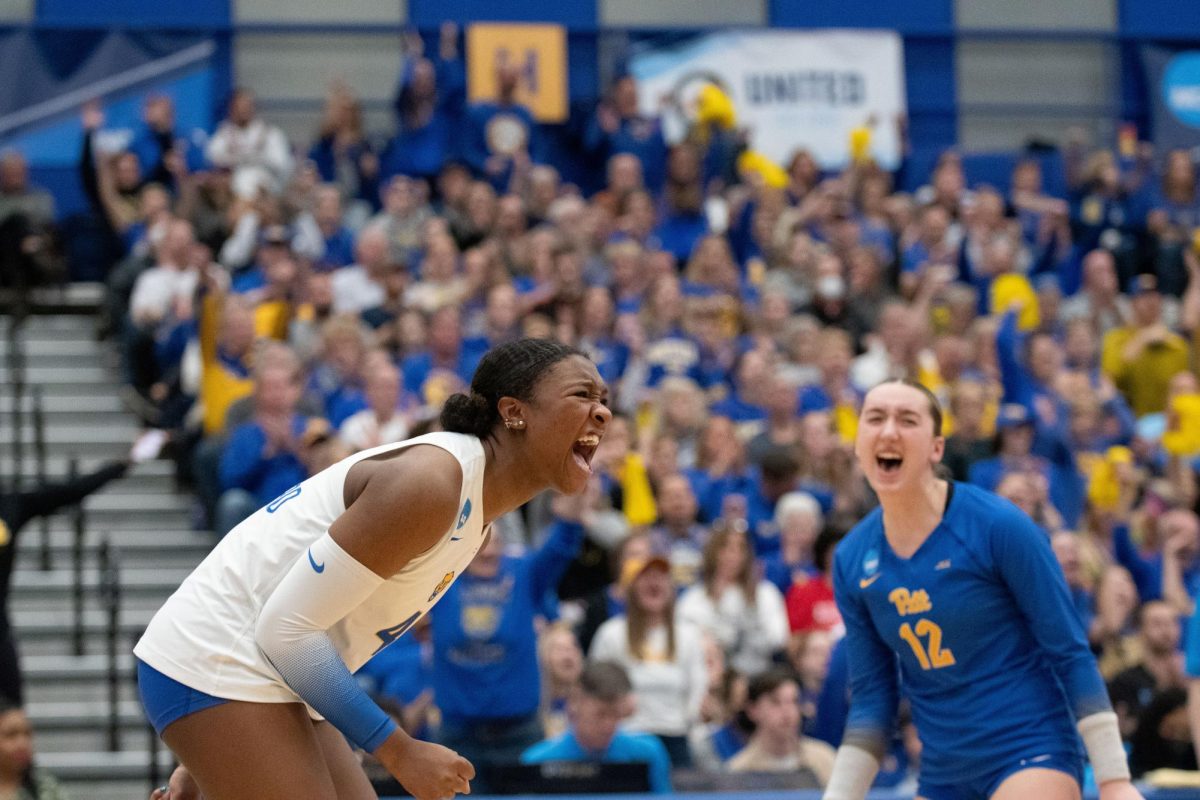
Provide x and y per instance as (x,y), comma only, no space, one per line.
(979,628)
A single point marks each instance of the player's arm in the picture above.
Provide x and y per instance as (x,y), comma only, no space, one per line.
(1023,558)
(874,694)
(396,511)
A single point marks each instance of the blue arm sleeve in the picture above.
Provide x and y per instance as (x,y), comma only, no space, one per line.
(1025,562)
(551,560)
(242,464)
(1145,576)
(291,633)
(874,679)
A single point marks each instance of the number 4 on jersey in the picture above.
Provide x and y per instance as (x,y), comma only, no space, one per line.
(389,635)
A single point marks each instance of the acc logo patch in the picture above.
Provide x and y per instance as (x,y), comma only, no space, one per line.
(870,563)
(442,584)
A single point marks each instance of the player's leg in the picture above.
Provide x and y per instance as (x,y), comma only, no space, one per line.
(267,751)
(1040,782)
(348,776)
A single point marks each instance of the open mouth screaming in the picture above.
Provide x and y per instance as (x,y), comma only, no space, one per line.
(889,463)
(584,450)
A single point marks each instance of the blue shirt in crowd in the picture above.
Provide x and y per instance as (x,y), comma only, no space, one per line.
(485,664)
(625,747)
(243,465)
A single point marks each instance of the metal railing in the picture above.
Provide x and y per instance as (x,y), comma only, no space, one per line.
(78,600)
(108,562)
(45,561)
(16,379)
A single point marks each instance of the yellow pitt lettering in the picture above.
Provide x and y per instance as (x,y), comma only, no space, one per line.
(909,602)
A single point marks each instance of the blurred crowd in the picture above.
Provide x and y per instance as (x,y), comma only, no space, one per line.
(281,304)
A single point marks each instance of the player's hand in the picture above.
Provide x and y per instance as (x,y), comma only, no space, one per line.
(427,771)
(1119,790)
(180,787)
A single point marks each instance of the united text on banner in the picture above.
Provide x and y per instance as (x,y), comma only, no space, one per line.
(790,89)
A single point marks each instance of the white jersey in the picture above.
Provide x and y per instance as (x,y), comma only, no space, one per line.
(203,636)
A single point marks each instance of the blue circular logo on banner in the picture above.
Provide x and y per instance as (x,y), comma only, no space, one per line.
(1181,88)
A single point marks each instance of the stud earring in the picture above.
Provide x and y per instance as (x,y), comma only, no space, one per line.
(514,424)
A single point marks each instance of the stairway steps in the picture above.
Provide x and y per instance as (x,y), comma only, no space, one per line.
(128,764)
(98,403)
(53,627)
(118,434)
(90,692)
(110,789)
(39,373)
(68,387)
(37,347)
(142,515)
(59,582)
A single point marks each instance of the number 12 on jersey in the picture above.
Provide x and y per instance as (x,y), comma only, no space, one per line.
(933,656)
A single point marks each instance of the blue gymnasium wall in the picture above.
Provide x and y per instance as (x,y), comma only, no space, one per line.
(943,40)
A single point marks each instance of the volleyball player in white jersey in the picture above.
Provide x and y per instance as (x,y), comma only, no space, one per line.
(246,671)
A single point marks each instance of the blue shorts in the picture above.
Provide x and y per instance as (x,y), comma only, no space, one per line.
(166,699)
(985,786)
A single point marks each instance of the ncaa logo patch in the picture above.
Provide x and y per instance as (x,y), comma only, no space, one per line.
(871,562)
(464,515)
(446,580)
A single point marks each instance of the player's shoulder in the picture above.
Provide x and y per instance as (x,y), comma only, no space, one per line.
(983,507)
(979,516)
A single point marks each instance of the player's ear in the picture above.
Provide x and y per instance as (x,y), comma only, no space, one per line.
(938,450)
(513,412)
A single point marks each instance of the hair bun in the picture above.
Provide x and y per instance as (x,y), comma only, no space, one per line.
(471,414)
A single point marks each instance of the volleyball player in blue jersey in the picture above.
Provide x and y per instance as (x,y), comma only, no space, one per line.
(955,593)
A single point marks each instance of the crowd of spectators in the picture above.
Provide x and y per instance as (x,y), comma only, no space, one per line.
(281,304)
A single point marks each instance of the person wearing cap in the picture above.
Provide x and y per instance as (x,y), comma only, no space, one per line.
(664,657)
(252,249)
(1142,356)
(1016,436)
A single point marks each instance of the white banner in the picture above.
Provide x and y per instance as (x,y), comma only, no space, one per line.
(791,89)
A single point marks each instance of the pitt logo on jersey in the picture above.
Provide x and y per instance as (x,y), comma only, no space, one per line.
(907,602)
(442,584)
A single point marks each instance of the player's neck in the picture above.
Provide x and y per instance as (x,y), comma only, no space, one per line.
(507,482)
(911,515)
